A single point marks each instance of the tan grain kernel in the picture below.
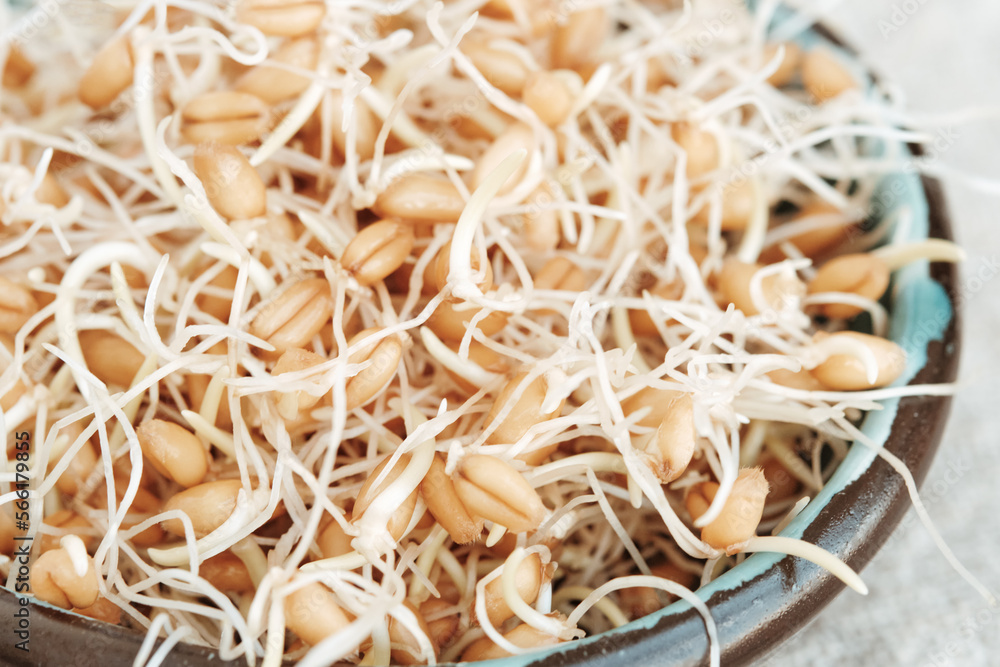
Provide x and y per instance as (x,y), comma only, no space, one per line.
(110,357)
(672,447)
(17,305)
(294,360)
(824,76)
(54,580)
(405,647)
(366,127)
(493,490)
(741,513)
(737,206)
(540,225)
(699,498)
(657,400)
(8,530)
(369,382)
(701,147)
(818,241)
(273,83)
(420,196)
(277,235)
(539,16)
(525,413)
(842,372)
(484,357)
(640,601)
(174,451)
(109,74)
(516,137)
(577,42)
(789,65)
(640,320)
(197,385)
(734,287)
(438,491)
(377,250)
(294,316)
(225,116)
(549,95)
(801,379)
(51,192)
(313,614)
(208,505)
(443,630)
(561,273)
(333,541)
(400,519)
(450,321)
(523,636)
(226,572)
(861,274)
(217,306)
(661,70)
(233,187)
(80,466)
(150,537)
(144,501)
(282,18)
(501,67)
(528,579)
(18,69)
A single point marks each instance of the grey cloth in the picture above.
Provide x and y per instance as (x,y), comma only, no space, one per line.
(945,56)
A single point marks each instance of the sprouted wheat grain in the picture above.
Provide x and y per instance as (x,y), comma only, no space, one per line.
(417,332)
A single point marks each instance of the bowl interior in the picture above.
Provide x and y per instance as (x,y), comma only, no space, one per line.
(920,313)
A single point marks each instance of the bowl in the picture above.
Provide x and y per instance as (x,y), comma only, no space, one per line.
(759,603)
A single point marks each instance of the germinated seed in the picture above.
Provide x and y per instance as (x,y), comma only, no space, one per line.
(224,116)
(862,274)
(174,451)
(233,187)
(824,76)
(528,582)
(208,505)
(313,614)
(283,18)
(54,580)
(420,196)
(523,636)
(443,502)
(294,316)
(493,490)
(17,305)
(377,250)
(109,74)
(272,83)
(842,372)
(549,95)
(110,357)
(401,517)
(384,359)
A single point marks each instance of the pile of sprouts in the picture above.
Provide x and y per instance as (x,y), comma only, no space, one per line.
(416,332)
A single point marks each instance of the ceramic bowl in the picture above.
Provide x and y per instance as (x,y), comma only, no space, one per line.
(757,604)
